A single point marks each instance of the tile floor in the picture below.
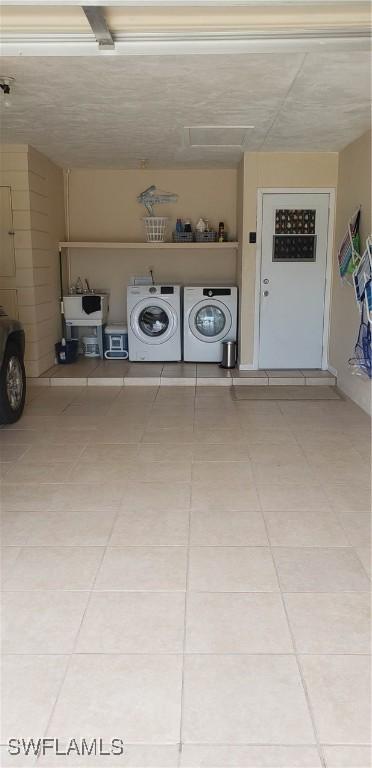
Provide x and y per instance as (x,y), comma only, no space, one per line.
(112,372)
(187,571)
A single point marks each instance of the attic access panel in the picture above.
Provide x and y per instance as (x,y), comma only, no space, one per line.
(217,135)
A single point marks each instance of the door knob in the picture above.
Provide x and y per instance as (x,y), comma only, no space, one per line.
(266,293)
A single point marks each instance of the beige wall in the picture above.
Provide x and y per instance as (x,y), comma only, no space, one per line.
(38,215)
(102,206)
(271,170)
(354,188)
(14,174)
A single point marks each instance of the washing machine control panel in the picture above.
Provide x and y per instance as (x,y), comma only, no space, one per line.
(164,289)
(217,292)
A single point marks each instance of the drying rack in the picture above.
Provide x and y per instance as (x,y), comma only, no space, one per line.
(361,363)
(349,251)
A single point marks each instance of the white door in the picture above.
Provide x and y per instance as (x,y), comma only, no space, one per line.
(7,261)
(293,279)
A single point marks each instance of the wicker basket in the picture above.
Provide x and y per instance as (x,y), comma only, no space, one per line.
(183,237)
(156,228)
(206,237)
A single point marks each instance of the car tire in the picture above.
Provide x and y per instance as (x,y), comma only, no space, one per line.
(12,384)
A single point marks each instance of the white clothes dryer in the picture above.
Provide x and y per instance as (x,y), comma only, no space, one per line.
(210,318)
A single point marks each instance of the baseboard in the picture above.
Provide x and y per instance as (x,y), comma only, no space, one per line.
(332,370)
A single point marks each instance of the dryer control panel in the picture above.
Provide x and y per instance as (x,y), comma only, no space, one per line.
(216,292)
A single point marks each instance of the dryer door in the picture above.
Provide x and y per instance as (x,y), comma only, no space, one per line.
(153,321)
(210,320)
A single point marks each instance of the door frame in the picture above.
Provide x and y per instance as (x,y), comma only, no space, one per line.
(261,192)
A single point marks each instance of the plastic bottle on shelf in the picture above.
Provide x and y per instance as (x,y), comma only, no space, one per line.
(221,232)
(79,288)
(201,226)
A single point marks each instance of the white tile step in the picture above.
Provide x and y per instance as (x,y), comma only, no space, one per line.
(215,377)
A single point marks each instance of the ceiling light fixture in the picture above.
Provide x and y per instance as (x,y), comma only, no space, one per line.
(6,84)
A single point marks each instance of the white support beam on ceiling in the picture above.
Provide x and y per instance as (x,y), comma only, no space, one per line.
(64,45)
(97,21)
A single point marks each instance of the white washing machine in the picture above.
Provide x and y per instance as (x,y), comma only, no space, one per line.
(154,322)
(210,317)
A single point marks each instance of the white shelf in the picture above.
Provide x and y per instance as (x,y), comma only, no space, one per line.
(153,246)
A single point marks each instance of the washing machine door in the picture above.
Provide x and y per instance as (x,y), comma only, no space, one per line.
(153,321)
(210,320)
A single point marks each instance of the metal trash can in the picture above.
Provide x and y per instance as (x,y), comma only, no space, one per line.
(228,354)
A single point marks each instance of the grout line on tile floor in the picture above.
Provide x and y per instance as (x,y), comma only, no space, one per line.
(172,546)
(361,561)
(195,592)
(185,607)
(291,633)
(296,654)
(190,653)
(71,655)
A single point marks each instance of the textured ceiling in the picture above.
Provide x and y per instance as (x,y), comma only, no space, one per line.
(113,111)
